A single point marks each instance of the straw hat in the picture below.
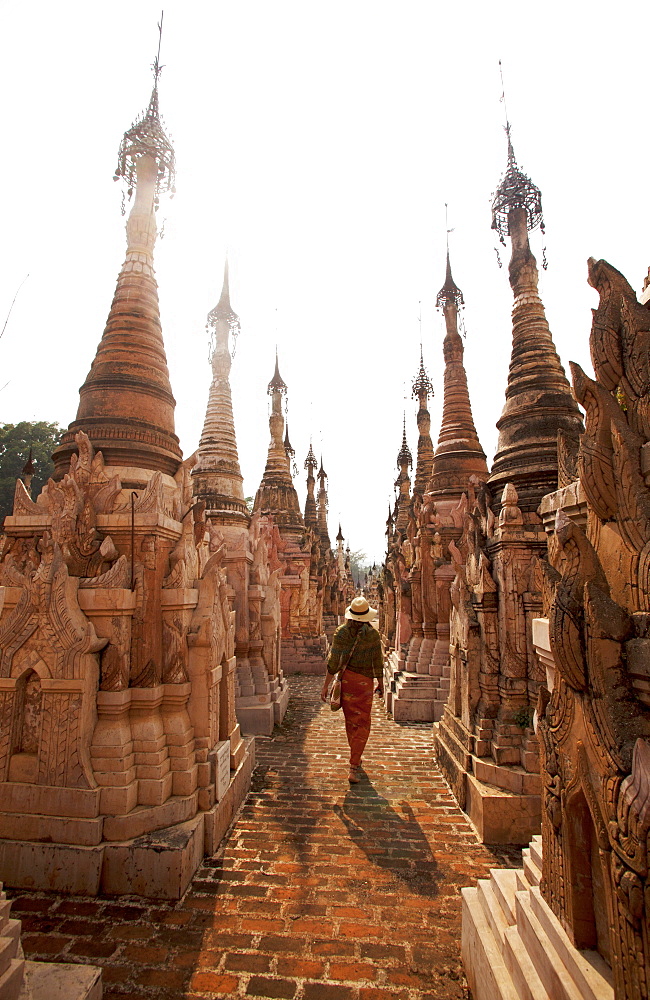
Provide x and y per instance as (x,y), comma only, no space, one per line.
(360,611)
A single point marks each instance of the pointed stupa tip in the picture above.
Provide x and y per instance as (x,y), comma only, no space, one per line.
(515,190)
(450,292)
(287,443)
(147,137)
(223,310)
(310,461)
(404,456)
(321,472)
(28,468)
(277,384)
(340,537)
(422,383)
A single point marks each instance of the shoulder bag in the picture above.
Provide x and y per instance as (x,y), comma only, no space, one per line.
(335,696)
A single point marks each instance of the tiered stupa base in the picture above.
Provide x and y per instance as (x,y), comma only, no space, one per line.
(159,865)
(501,798)
(304,655)
(514,947)
(417,688)
(261,701)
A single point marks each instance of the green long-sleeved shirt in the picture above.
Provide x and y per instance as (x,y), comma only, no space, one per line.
(367,658)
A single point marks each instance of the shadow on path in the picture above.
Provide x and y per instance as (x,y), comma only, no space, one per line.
(387,839)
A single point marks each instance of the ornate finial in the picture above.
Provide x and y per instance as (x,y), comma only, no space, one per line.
(321,472)
(277,384)
(422,383)
(310,461)
(404,456)
(28,468)
(515,189)
(340,537)
(450,292)
(287,443)
(223,311)
(146,137)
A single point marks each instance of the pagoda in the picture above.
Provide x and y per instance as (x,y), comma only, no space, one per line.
(118,661)
(261,691)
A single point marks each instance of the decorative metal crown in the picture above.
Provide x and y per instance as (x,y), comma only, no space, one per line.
(310,461)
(422,382)
(516,190)
(321,472)
(223,311)
(450,292)
(339,537)
(277,384)
(404,456)
(146,137)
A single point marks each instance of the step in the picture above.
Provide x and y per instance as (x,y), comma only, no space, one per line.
(492,910)
(588,969)
(522,971)
(9,944)
(58,981)
(548,964)
(536,851)
(531,871)
(11,981)
(487,973)
(505,887)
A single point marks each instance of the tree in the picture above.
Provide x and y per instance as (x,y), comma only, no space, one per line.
(359,566)
(15,442)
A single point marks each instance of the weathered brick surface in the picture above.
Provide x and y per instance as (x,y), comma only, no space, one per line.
(322,890)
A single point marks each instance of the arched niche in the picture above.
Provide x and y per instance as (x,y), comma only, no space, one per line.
(587,881)
(26,727)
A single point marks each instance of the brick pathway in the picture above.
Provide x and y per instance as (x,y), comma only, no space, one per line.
(322,891)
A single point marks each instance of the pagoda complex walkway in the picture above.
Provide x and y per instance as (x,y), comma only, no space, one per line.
(322,890)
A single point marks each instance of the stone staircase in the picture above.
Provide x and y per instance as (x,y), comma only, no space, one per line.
(419,697)
(514,947)
(21,980)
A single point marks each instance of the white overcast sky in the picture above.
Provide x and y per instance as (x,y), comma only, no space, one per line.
(316,143)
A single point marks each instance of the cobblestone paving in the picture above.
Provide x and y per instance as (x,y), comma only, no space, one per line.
(322,890)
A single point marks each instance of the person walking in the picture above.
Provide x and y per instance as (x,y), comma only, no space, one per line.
(356,646)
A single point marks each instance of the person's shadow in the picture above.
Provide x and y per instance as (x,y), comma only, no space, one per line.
(393,842)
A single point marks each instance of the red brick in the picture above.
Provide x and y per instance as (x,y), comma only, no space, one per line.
(160,977)
(41,944)
(134,932)
(327,991)
(260,924)
(212,982)
(237,962)
(301,968)
(91,948)
(336,947)
(274,943)
(353,971)
(360,930)
(145,954)
(264,986)
(70,908)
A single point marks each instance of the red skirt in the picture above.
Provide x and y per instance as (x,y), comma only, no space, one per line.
(356,702)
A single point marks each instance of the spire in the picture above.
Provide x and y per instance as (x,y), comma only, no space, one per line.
(323,504)
(340,537)
(539,402)
(404,456)
(311,513)
(276,494)
(403,481)
(126,406)
(216,476)
(458,454)
(422,389)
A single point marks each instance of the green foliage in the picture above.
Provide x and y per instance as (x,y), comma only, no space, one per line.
(15,442)
(523,717)
(249,501)
(359,566)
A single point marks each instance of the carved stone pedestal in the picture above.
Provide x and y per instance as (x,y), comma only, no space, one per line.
(514,947)
(502,801)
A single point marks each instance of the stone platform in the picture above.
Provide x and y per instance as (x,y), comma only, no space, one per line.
(514,947)
(413,695)
(503,801)
(261,706)
(158,865)
(320,891)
